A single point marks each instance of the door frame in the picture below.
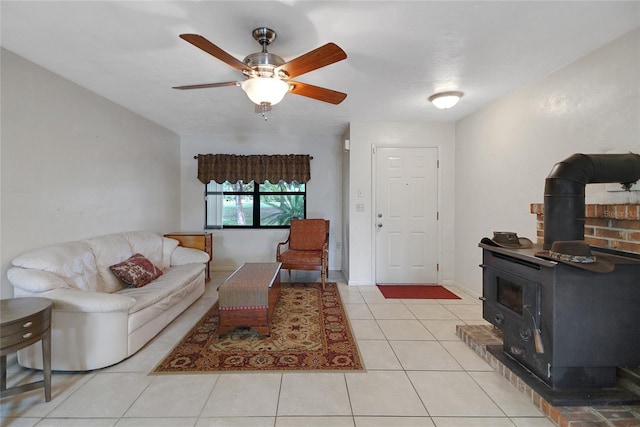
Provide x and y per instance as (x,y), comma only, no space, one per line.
(374,204)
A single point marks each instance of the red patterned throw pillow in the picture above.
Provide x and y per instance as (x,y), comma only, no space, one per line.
(137,271)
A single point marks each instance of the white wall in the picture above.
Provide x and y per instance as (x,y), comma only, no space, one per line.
(75,165)
(233,247)
(505,151)
(362,137)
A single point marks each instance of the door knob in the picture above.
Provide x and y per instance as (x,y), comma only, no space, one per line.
(379,225)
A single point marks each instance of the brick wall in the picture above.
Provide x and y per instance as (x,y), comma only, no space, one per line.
(606,226)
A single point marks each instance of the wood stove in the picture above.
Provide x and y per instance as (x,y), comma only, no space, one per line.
(565,329)
(569,327)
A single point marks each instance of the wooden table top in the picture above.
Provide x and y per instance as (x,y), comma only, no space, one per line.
(14,309)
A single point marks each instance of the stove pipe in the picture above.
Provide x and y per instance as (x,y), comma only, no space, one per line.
(564,202)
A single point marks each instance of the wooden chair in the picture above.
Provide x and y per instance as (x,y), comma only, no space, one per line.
(308,247)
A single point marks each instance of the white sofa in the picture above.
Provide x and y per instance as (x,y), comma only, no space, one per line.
(98,320)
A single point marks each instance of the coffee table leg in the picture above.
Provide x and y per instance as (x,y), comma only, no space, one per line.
(46,361)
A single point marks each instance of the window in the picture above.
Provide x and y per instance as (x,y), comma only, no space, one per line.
(251,205)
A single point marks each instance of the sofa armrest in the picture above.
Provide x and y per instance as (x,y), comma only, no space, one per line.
(87,302)
(184,256)
(31,280)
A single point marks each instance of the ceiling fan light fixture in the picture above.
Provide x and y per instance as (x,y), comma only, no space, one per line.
(262,90)
(444,100)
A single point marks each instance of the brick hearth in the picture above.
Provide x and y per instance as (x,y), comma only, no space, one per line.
(478,337)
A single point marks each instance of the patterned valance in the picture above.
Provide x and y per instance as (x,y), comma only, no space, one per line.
(258,168)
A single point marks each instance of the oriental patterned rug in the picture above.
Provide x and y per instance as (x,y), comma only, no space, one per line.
(310,331)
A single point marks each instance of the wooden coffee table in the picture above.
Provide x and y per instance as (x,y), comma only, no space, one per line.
(248,298)
(23,322)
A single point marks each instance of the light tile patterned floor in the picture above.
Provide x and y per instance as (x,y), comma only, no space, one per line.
(419,373)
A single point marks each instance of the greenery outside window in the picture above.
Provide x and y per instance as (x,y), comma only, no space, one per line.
(251,205)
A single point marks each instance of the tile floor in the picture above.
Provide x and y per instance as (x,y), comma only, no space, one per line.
(419,373)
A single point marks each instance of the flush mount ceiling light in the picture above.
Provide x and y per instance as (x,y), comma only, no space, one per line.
(265,90)
(444,100)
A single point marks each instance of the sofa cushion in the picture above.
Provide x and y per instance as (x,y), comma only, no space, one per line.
(146,243)
(309,258)
(109,250)
(72,301)
(136,270)
(173,281)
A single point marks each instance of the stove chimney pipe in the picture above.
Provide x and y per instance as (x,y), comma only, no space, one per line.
(564,202)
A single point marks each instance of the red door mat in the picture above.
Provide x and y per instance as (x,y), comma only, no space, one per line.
(416,292)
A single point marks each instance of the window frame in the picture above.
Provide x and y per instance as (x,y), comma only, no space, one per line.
(256,193)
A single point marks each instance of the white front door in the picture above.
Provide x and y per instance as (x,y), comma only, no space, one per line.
(406,215)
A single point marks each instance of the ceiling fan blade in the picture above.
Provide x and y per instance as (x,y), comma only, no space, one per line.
(316,92)
(206,85)
(317,58)
(204,44)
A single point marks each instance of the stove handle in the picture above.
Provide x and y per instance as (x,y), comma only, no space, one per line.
(483,266)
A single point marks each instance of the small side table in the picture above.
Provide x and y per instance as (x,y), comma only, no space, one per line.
(25,321)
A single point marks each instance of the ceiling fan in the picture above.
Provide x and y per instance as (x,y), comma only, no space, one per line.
(268,74)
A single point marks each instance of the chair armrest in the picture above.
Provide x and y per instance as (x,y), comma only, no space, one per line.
(87,302)
(278,247)
(184,256)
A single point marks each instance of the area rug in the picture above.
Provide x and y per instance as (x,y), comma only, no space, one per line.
(310,332)
(416,292)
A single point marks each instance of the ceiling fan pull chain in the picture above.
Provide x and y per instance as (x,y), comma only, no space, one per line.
(265,108)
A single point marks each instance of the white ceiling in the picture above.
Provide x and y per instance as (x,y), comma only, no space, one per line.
(399,53)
